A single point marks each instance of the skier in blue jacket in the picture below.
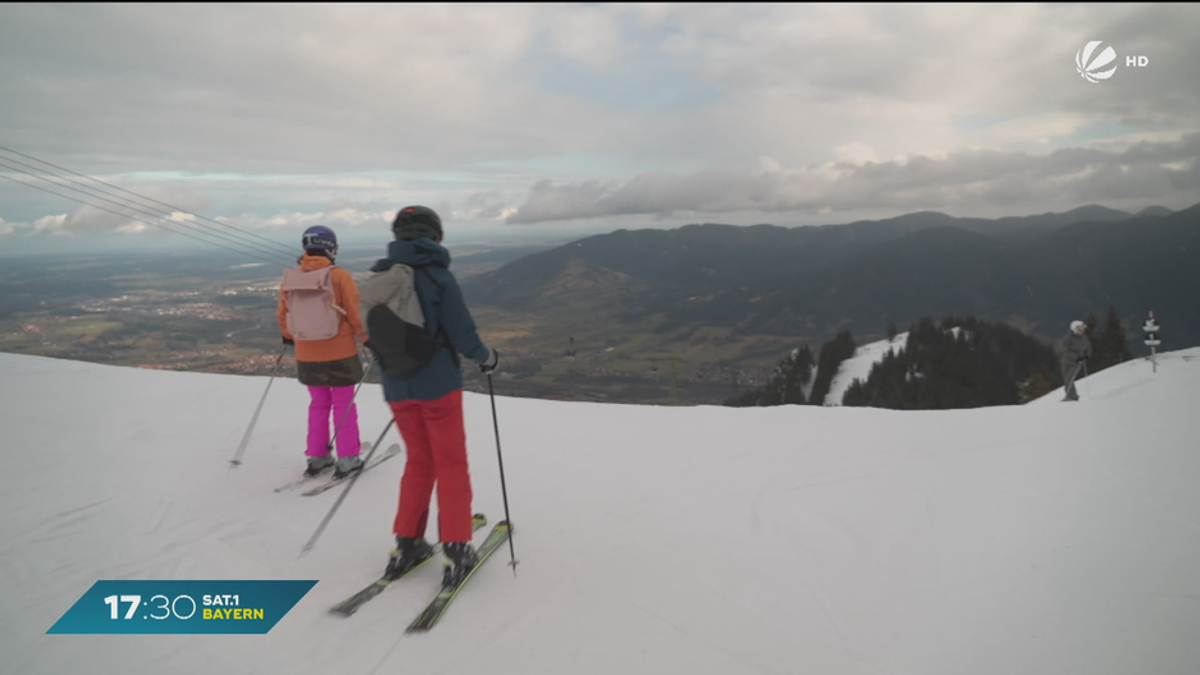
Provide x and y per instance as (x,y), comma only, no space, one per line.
(427,402)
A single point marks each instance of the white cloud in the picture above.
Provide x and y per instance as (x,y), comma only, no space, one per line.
(1164,171)
(132,228)
(855,153)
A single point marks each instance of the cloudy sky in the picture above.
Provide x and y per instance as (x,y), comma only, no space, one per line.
(567,119)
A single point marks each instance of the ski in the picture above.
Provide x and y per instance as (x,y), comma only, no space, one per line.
(364,450)
(303,479)
(355,602)
(391,452)
(430,615)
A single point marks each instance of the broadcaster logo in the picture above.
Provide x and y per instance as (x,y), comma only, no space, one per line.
(1091,69)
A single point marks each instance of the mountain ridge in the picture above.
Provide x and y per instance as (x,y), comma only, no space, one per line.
(900,268)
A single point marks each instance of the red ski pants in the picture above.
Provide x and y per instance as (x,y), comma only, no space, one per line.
(437,455)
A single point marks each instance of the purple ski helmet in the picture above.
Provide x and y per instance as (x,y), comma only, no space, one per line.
(320,238)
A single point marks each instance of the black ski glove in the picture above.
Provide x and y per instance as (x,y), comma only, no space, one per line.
(289,341)
(491,364)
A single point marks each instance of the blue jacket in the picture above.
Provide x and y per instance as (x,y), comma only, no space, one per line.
(444,309)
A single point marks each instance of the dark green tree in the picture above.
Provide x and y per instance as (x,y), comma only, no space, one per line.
(963,363)
(1110,346)
(796,371)
(1035,388)
(833,353)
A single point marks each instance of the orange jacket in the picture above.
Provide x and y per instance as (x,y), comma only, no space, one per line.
(339,346)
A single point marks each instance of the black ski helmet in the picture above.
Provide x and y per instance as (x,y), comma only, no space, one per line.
(413,222)
(320,238)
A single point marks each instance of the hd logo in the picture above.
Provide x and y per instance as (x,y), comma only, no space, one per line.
(1096,66)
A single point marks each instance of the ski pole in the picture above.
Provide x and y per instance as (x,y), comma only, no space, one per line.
(503,488)
(329,447)
(237,456)
(345,491)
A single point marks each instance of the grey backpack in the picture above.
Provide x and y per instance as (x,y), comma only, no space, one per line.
(394,321)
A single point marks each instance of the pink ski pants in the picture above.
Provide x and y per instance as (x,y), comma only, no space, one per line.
(339,402)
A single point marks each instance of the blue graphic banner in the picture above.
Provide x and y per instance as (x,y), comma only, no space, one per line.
(176,607)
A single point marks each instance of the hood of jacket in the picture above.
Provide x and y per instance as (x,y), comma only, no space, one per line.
(310,263)
(414,252)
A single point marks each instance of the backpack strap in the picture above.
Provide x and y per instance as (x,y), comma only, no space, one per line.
(333,293)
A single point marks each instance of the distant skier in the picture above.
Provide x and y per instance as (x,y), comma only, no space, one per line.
(1074,351)
(427,403)
(318,313)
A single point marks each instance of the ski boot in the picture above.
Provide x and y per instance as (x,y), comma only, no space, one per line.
(347,465)
(408,553)
(459,559)
(318,464)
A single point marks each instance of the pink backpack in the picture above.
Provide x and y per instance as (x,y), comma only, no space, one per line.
(313,313)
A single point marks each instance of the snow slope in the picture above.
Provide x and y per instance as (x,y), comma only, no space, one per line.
(858,367)
(1042,539)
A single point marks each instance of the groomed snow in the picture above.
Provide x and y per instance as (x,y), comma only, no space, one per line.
(1050,538)
(858,367)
